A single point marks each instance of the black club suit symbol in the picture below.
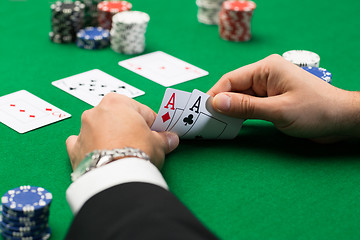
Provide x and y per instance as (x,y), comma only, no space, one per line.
(188,120)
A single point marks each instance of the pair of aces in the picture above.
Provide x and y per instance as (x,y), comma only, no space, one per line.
(192,116)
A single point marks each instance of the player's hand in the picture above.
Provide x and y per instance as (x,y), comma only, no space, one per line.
(297,102)
(119,122)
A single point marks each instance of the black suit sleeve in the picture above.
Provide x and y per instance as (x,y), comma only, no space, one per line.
(136,211)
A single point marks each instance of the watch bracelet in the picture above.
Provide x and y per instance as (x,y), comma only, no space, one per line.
(116,153)
(96,159)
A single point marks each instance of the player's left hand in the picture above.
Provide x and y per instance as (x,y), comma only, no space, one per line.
(119,122)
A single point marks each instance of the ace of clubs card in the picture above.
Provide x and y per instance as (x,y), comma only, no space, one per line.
(200,120)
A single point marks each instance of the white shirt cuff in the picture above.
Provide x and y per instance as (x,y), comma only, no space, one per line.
(115,173)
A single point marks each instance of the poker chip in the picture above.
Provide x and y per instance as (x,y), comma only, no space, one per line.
(43,236)
(107,9)
(93,38)
(319,72)
(302,58)
(25,213)
(22,221)
(26,199)
(23,231)
(12,213)
(90,18)
(66,21)
(208,11)
(235,20)
(128,32)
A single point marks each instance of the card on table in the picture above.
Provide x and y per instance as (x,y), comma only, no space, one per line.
(23,112)
(93,85)
(163,68)
(196,117)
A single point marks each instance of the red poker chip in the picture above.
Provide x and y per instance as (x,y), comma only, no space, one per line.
(114,6)
(107,9)
(241,6)
(235,20)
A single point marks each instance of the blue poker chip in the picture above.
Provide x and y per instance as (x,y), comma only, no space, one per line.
(17,226)
(24,220)
(27,229)
(26,199)
(15,214)
(319,72)
(25,234)
(25,214)
(45,235)
(93,33)
(93,38)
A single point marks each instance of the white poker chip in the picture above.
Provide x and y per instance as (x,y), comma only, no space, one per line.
(128,32)
(131,17)
(302,58)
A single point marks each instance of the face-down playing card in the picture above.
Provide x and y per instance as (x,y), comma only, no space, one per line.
(200,120)
(171,108)
(93,85)
(23,112)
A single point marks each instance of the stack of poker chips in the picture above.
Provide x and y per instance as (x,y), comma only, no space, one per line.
(93,38)
(302,58)
(66,21)
(128,32)
(235,20)
(208,11)
(90,12)
(320,73)
(107,9)
(25,213)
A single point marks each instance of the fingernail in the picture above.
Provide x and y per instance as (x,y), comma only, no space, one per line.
(173,140)
(222,102)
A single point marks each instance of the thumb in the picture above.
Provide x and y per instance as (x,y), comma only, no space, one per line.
(70,143)
(245,106)
(171,141)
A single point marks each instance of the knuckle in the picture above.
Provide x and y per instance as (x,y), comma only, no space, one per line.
(274,56)
(273,60)
(85,116)
(226,80)
(111,97)
(246,106)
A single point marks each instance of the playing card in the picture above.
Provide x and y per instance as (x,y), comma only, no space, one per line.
(23,112)
(200,120)
(171,108)
(93,85)
(163,68)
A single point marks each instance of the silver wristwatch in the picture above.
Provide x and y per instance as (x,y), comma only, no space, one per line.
(99,158)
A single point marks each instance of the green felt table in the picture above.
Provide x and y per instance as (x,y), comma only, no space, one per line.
(263,184)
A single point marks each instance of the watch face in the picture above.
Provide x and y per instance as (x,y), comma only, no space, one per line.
(85,165)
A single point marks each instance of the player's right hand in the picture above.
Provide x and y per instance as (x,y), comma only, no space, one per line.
(297,102)
(119,122)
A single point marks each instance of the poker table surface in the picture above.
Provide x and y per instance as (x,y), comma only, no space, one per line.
(261,185)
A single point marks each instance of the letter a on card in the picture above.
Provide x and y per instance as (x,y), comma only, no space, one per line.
(172,106)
